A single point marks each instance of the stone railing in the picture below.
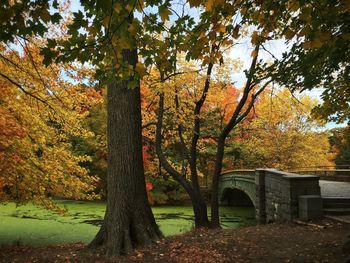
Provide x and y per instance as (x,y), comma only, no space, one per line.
(342,175)
(278,194)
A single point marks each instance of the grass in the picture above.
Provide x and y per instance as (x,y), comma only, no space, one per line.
(29,224)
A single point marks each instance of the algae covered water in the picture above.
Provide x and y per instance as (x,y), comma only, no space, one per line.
(29,224)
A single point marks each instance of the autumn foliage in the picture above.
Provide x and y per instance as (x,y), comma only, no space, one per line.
(40,113)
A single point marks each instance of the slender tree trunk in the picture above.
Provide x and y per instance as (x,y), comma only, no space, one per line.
(215,220)
(128,221)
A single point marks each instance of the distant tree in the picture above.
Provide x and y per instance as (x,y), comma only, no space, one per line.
(343,157)
(283,134)
(340,142)
(40,113)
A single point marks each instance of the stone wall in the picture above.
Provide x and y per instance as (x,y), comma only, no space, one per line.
(277,194)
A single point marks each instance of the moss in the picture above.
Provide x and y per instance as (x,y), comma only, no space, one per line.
(30,224)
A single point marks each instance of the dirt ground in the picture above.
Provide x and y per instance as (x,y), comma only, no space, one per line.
(325,241)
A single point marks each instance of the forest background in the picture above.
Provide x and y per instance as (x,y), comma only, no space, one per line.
(53,144)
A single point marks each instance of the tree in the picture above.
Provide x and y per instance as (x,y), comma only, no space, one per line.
(100,35)
(283,134)
(184,96)
(317,36)
(335,105)
(203,42)
(340,143)
(321,30)
(37,161)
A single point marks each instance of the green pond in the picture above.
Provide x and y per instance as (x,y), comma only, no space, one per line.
(29,224)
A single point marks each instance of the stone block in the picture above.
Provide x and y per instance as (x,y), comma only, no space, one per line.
(310,207)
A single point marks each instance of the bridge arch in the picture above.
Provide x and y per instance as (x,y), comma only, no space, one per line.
(239,184)
(232,196)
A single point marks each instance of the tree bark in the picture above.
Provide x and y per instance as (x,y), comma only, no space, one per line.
(128,221)
(198,204)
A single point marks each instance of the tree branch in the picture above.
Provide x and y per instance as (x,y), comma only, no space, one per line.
(166,165)
(251,103)
(23,89)
(196,127)
(243,100)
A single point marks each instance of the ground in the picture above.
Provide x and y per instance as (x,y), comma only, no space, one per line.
(323,241)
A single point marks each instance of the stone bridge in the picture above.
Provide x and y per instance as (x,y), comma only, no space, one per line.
(277,196)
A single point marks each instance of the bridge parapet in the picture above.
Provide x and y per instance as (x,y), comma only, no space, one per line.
(278,193)
(342,175)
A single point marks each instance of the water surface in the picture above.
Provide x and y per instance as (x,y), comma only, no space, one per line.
(29,224)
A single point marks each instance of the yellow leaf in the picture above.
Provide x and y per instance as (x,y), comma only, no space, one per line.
(306,45)
(132,29)
(255,37)
(289,34)
(293,5)
(129,7)
(105,21)
(124,43)
(221,28)
(140,5)
(227,42)
(305,14)
(305,31)
(316,43)
(117,7)
(235,32)
(209,5)
(45,15)
(323,36)
(244,10)
(265,34)
(164,14)
(256,15)
(92,30)
(140,68)
(254,53)
(346,36)
(195,3)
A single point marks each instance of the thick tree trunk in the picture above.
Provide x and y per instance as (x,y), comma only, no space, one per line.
(199,210)
(128,221)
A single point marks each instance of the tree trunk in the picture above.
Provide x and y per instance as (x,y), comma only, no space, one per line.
(199,210)
(237,117)
(215,220)
(193,190)
(128,221)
